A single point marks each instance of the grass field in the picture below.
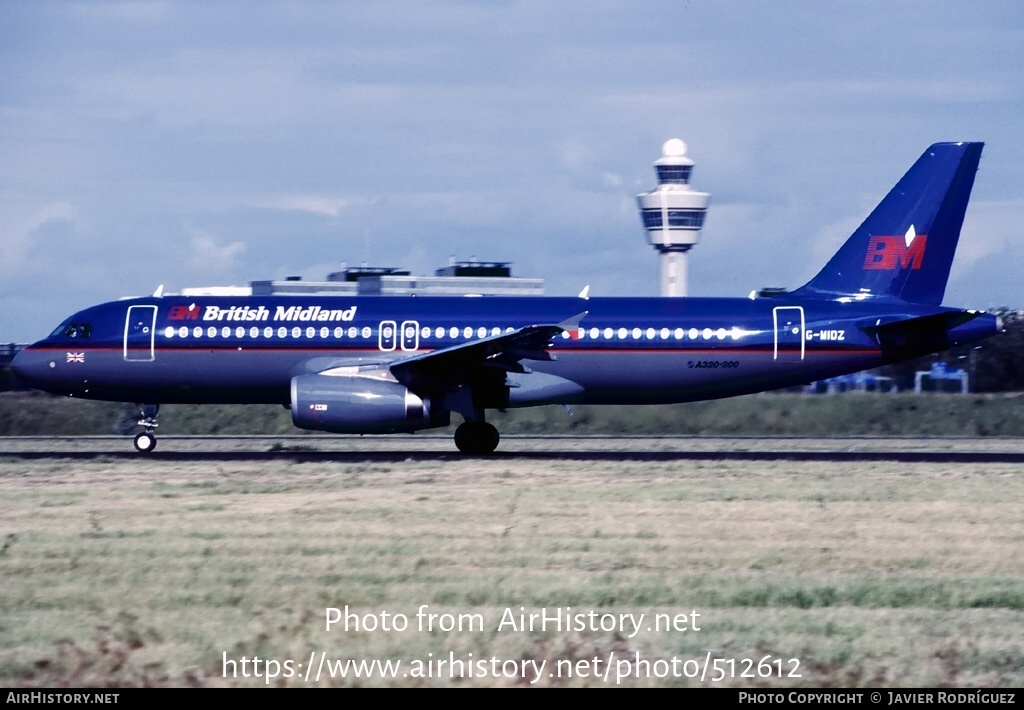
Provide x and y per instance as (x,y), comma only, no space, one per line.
(155,573)
(768,414)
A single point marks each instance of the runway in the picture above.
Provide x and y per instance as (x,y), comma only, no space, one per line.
(405,448)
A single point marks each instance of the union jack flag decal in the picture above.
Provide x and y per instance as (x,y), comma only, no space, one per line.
(76,357)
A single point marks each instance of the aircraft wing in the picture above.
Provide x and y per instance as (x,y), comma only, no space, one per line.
(471,362)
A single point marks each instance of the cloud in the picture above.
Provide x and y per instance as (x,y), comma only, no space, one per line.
(298,133)
(20,237)
(324,205)
(990,227)
(210,257)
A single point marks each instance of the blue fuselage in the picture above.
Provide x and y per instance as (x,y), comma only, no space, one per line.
(625,350)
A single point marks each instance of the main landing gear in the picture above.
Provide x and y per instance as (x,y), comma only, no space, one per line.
(476,437)
(146,441)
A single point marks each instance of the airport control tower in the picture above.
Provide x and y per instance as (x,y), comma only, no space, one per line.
(673,215)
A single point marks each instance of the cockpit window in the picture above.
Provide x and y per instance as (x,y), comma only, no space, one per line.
(73,330)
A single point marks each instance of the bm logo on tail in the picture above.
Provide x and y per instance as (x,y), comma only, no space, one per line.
(887,253)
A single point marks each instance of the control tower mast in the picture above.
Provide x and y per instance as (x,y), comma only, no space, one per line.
(673,215)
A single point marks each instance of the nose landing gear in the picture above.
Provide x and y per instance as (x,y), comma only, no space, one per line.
(145,442)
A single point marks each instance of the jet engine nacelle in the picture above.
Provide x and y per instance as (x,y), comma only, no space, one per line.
(349,404)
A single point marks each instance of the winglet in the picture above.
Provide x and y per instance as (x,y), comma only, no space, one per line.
(574,322)
(585,293)
(572,325)
(159,293)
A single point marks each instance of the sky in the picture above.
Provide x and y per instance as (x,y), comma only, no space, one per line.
(215,143)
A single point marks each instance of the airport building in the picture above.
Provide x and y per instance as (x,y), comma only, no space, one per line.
(459,278)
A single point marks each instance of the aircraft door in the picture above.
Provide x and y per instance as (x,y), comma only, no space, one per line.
(139,334)
(789,333)
(410,335)
(388,335)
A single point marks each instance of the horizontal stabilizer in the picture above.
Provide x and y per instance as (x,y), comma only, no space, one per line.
(932,329)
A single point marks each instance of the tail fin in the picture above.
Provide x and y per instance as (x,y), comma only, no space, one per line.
(905,248)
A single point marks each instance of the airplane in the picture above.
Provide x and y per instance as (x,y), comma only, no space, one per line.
(379,365)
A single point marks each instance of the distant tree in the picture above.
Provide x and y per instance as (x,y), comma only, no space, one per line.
(998,363)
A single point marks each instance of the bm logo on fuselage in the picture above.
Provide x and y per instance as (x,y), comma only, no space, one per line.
(184,312)
(887,253)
